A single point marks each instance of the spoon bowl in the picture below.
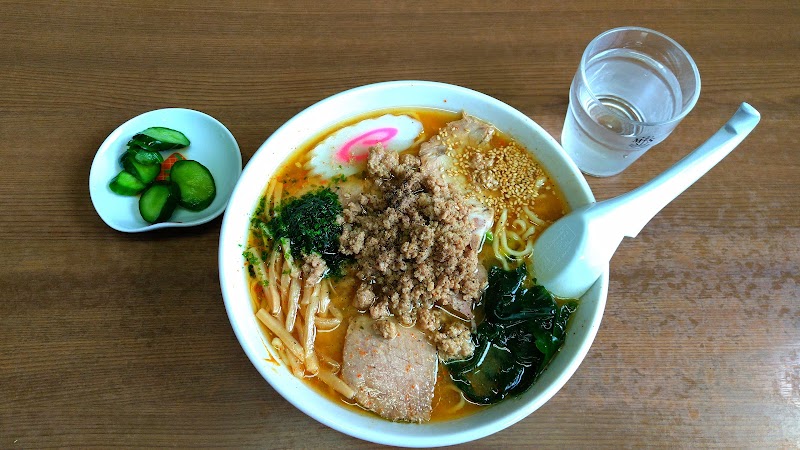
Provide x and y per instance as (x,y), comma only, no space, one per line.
(211,145)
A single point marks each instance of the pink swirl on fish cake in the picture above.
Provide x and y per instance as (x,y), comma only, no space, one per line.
(382,135)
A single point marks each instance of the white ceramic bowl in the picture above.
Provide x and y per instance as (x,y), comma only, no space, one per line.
(212,145)
(320,117)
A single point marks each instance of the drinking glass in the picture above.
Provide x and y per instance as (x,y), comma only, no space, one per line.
(633,86)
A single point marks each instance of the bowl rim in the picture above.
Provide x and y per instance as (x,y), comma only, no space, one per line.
(397,434)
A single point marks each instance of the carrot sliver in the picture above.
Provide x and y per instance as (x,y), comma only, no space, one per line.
(166,166)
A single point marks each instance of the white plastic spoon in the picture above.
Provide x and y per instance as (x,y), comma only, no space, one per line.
(573,252)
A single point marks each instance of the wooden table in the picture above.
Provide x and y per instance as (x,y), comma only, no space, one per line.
(113,339)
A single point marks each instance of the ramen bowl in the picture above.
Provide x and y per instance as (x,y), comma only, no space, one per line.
(309,124)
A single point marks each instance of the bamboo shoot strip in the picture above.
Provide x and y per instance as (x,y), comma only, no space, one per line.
(293,304)
(279,331)
(325,296)
(268,208)
(312,364)
(273,294)
(301,331)
(286,280)
(336,383)
(276,195)
(280,349)
(330,361)
(327,323)
(295,365)
(307,292)
(311,334)
(335,312)
(254,257)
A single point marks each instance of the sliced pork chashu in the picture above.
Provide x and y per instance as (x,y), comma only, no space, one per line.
(453,139)
(392,377)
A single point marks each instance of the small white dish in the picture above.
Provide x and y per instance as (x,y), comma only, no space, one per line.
(212,145)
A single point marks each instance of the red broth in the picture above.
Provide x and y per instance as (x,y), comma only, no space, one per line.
(448,402)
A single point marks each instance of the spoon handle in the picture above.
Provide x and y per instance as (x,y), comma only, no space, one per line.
(638,206)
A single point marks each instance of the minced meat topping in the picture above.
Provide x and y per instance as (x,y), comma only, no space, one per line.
(411,234)
(314,268)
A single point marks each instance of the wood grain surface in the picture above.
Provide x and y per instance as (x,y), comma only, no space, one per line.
(112,339)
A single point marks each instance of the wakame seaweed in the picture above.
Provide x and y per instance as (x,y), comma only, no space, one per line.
(522,330)
(309,222)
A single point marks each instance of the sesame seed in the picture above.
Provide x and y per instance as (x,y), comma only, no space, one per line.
(506,174)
